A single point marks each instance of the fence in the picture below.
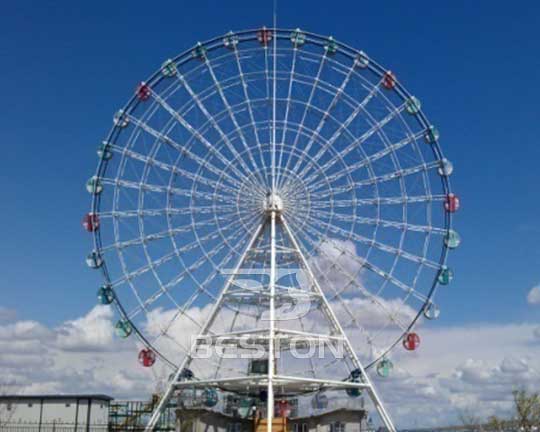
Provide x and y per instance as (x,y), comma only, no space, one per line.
(52,427)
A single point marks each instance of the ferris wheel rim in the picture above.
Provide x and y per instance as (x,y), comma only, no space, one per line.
(281,34)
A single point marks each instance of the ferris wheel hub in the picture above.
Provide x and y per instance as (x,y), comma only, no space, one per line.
(273,203)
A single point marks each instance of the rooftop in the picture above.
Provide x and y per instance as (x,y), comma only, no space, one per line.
(55,397)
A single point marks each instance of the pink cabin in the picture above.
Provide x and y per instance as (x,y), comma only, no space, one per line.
(90,222)
(143,91)
(411,341)
(284,408)
(389,80)
(451,203)
(264,36)
(147,357)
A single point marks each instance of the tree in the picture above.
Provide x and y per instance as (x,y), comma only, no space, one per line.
(496,424)
(526,416)
(527,408)
(469,420)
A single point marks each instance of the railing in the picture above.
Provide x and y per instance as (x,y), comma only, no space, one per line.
(52,427)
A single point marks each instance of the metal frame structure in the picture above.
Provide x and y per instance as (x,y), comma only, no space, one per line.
(271,379)
(277,146)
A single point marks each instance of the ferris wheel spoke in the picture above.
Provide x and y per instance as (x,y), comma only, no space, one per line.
(422,260)
(216,249)
(211,209)
(154,272)
(369,160)
(307,106)
(182,311)
(312,368)
(402,226)
(197,135)
(251,187)
(398,200)
(343,126)
(309,162)
(231,328)
(381,179)
(210,119)
(166,288)
(163,334)
(250,184)
(232,241)
(287,176)
(196,294)
(147,187)
(365,263)
(120,245)
(201,285)
(172,169)
(234,120)
(259,125)
(287,110)
(325,116)
(167,257)
(351,279)
(268,121)
(183,150)
(373,299)
(170,285)
(378,126)
(373,268)
(249,105)
(274,113)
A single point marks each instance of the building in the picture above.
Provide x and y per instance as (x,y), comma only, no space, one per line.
(339,420)
(45,413)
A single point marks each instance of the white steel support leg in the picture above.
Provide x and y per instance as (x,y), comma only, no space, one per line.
(210,320)
(337,326)
(271,341)
(272,332)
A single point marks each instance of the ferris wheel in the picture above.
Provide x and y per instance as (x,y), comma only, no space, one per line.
(269,187)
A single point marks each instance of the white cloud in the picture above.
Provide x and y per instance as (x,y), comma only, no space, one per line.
(455,368)
(462,368)
(89,333)
(24,330)
(534,295)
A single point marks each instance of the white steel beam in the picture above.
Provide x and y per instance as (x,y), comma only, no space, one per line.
(210,320)
(335,323)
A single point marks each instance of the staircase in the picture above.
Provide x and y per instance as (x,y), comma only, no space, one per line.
(279,424)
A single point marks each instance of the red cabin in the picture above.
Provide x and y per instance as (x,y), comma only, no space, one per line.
(90,222)
(411,341)
(264,36)
(147,357)
(283,408)
(143,91)
(451,203)
(389,80)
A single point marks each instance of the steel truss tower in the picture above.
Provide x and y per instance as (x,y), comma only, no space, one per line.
(275,234)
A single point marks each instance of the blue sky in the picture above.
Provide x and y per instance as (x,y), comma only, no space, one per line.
(67,67)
